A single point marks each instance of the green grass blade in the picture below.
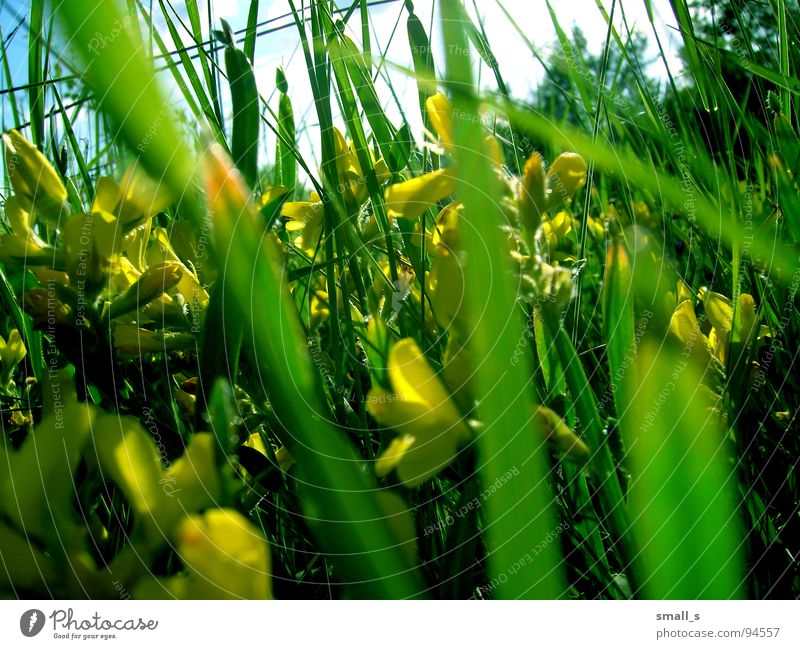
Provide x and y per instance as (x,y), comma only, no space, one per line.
(519,514)
(285,161)
(341,506)
(124,83)
(250,35)
(618,318)
(244,104)
(683,508)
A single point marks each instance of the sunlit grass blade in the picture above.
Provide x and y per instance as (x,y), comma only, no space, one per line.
(341,507)
(285,161)
(618,318)
(127,91)
(682,492)
(520,514)
(36,71)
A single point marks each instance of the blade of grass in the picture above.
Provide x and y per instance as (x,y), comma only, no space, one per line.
(36,71)
(250,35)
(522,511)
(345,514)
(683,508)
(618,319)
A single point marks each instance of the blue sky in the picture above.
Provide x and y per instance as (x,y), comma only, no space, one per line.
(521,70)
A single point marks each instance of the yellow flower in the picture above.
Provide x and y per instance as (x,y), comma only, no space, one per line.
(226,556)
(159,497)
(33,178)
(412,197)
(188,285)
(155,281)
(420,409)
(22,245)
(305,218)
(36,482)
(136,199)
(440,114)
(556,229)
(531,196)
(538,192)
(12,352)
(719,312)
(565,176)
(445,287)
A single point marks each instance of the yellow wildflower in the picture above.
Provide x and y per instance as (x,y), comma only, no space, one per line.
(420,409)
(226,556)
(305,218)
(538,192)
(33,178)
(12,351)
(412,197)
(719,312)
(565,176)
(531,197)
(136,199)
(22,245)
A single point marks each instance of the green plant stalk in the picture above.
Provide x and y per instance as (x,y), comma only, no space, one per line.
(609,489)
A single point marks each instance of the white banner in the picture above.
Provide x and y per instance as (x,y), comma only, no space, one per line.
(385,625)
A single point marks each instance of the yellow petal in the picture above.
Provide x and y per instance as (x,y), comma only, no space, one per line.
(416,461)
(190,484)
(683,325)
(13,351)
(566,176)
(532,192)
(33,178)
(683,322)
(445,284)
(141,197)
(346,161)
(90,243)
(747,318)
(440,113)
(129,456)
(412,197)
(18,217)
(389,460)
(272,193)
(719,311)
(21,250)
(414,381)
(37,483)
(106,195)
(227,555)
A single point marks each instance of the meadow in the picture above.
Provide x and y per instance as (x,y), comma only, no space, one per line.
(474,345)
